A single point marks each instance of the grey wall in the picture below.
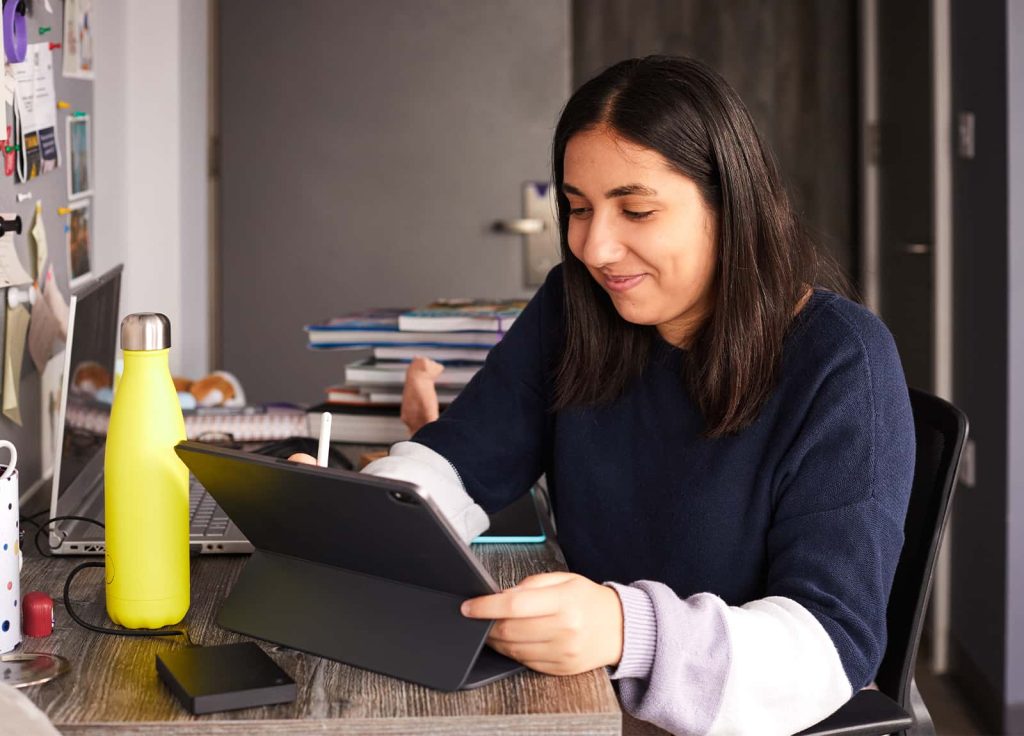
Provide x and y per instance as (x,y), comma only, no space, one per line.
(52,189)
(366,150)
(151,150)
(794,65)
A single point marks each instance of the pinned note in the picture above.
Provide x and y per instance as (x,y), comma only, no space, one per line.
(52,295)
(35,111)
(6,72)
(3,342)
(14,354)
(12,273)
(38,238)
(49,326)
(10,85)
(43,333)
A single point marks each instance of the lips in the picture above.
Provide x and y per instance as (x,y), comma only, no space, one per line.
(623,283)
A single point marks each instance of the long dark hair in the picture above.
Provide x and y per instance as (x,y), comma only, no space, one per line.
(765,261)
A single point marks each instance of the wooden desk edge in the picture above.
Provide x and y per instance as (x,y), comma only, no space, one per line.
(598,724)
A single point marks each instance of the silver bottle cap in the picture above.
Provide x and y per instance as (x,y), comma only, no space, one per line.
(145,331)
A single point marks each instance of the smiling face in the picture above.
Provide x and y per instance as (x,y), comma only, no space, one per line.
(643,231)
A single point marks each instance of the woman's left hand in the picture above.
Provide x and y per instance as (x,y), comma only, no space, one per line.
(558,623)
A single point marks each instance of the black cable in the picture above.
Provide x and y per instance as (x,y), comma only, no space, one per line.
(32,519)
(100,629)
(71,576)
(23,520)
(42,527)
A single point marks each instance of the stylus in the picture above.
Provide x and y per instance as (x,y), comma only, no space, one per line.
(325,439)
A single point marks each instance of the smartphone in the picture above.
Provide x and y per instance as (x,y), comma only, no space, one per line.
(517,523)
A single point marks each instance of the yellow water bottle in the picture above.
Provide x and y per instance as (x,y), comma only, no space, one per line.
(146,485)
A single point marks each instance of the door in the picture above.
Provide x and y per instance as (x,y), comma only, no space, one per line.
(366,149)
(906,185)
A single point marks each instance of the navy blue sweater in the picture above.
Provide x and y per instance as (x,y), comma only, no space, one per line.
(808,502)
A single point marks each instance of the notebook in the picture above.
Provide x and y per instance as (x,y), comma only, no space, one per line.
(80,435)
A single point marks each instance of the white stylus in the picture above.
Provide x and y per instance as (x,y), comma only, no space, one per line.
(325,439)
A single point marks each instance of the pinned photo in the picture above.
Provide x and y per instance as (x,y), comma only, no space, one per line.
(78,46)
(80,151)
(79,241)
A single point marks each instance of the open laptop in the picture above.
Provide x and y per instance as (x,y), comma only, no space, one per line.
(80,436)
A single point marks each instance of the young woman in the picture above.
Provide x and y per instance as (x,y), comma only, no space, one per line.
(728,446)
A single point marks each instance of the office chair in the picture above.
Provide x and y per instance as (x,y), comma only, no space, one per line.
(941,431)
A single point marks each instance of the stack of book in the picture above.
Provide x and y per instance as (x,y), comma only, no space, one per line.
(456,333)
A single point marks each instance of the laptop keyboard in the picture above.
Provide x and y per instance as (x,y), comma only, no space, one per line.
(206,518)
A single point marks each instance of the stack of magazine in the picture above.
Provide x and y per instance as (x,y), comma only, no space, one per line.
(458,333)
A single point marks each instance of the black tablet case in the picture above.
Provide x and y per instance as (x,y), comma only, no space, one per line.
(351,567)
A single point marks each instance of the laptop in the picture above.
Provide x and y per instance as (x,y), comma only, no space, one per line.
(358,568)
(80,437)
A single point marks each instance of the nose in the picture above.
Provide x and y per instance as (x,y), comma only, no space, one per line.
(602,245)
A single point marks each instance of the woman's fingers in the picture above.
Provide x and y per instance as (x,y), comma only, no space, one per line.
(537,630)
(513,603)
(545,579)
(532,655)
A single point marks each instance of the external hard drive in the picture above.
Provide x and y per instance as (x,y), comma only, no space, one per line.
(226,677)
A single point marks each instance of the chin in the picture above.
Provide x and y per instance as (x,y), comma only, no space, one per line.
(634,316)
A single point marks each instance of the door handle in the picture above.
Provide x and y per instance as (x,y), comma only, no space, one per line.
(522,226)
(917,249)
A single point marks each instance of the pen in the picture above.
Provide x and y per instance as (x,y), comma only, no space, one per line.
(325,439)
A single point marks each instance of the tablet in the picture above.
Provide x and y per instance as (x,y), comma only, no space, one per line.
(354,567)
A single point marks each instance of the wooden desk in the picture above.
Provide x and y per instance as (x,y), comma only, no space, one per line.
(113,686)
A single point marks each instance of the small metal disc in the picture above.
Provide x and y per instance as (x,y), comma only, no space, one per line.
(22,670)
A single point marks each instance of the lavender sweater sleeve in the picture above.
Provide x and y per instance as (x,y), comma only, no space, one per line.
(698,666)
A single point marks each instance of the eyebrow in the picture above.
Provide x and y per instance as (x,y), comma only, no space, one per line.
(623,191)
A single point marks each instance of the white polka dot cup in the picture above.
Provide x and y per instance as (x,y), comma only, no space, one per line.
(10,553)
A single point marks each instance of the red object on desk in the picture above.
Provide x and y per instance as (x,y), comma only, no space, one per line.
(37,614)
(54,45)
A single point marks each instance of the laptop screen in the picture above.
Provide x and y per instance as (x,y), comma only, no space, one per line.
(88,390)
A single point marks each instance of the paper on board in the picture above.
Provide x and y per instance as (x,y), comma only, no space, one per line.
(12,272)
(14,354)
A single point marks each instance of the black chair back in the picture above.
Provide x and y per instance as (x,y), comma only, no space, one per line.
(941,431)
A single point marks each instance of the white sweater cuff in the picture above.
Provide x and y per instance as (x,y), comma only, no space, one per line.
(415,463)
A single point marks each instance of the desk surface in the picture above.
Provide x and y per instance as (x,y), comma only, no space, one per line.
(113,686)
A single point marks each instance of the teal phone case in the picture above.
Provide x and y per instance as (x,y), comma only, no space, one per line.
(517,523)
